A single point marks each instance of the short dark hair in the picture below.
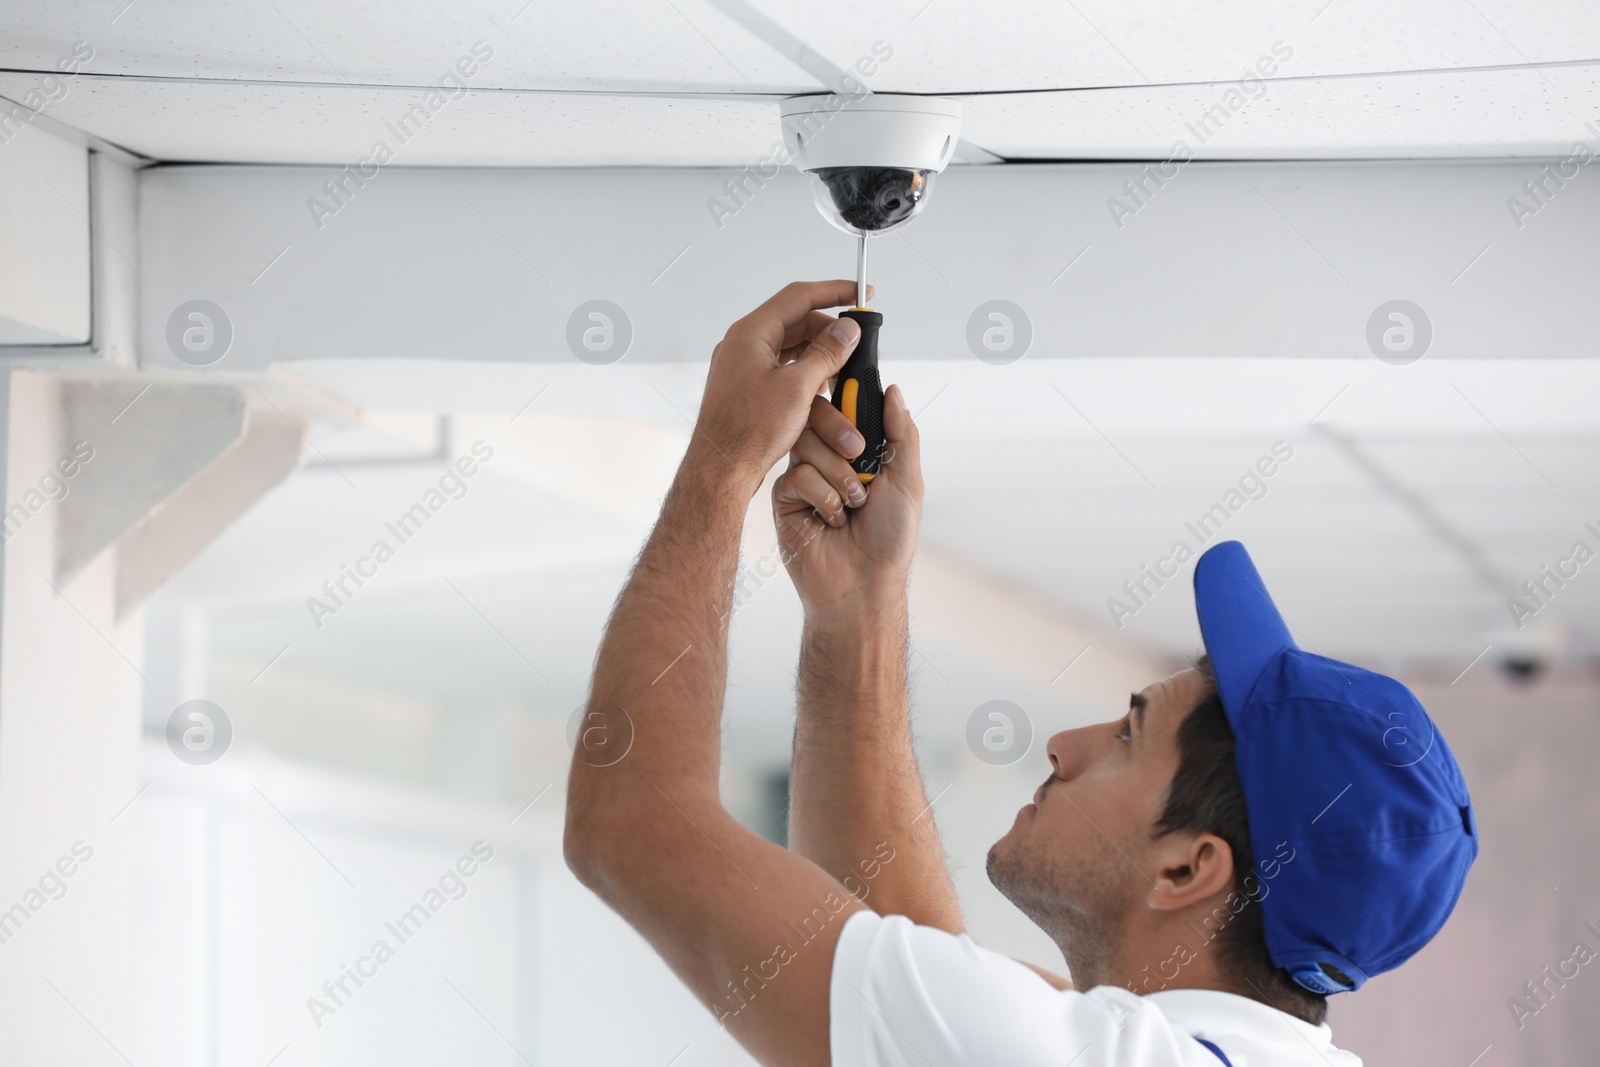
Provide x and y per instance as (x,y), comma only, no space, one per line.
(1205,796)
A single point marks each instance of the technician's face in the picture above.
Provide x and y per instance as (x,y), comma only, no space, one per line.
(1078,852)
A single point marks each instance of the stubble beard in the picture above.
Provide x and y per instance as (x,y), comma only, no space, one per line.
(1076,904)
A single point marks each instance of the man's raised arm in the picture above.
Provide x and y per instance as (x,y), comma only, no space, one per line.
(858,808)
(748,926)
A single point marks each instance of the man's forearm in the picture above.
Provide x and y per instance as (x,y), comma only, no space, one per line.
(662,667)
(855,788)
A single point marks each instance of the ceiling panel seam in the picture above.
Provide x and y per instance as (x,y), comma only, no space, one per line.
(816,64)
(1476,560)
(826,72)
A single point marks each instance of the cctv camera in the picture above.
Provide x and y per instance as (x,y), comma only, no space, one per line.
(872,199)
(871,160)
(1522,667)
(1524,654)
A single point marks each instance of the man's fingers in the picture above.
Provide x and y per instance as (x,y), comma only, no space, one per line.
(826,354)
(791,304)
(785,311)
(832,427)
(812,451)
(804,486)
(798,336)
(794,316)
(903,441)
(812,324)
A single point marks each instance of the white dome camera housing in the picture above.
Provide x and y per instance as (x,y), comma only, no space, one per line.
(872,160)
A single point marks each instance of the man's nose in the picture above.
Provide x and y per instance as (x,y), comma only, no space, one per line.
(1066,752)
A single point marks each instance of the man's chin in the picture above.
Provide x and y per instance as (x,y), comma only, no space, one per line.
(1000,863)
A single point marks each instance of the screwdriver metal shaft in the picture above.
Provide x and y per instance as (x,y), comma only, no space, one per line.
(861,272)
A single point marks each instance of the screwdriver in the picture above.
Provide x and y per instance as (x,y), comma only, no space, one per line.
(859,392)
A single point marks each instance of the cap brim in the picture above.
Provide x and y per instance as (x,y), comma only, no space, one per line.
(1241,626)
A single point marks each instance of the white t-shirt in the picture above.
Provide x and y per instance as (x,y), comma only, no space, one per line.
(904,995)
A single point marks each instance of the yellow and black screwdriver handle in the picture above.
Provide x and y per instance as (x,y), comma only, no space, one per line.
(859,392)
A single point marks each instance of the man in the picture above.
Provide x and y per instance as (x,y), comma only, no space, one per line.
(1253,834)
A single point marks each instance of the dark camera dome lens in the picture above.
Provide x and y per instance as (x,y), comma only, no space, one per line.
(874,198)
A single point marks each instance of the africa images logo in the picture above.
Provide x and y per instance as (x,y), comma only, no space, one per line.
(1251,486)
(451,485)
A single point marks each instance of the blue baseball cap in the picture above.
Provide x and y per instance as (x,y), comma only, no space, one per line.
(1343,767)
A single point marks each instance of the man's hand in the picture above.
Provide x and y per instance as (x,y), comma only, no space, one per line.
(863,555)
(767,370)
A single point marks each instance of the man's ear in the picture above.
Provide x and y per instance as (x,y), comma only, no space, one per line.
(1193,868)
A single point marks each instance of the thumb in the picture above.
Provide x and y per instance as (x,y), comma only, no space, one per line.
(903,441)
(827,352)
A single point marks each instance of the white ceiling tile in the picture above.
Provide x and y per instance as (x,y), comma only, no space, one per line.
(946,47)
(691,45)
(1456,466)
(615,45)
(1142,73)
(1519,112)
(207,121)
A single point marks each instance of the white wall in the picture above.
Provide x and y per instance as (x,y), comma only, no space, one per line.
(70,691)
(44,239)
(245,911)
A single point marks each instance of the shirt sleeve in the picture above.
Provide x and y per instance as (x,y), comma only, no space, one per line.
(903,995)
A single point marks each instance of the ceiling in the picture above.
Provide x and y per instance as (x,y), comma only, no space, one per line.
(694,82)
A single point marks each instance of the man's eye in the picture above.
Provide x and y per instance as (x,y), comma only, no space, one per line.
(1126,733)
